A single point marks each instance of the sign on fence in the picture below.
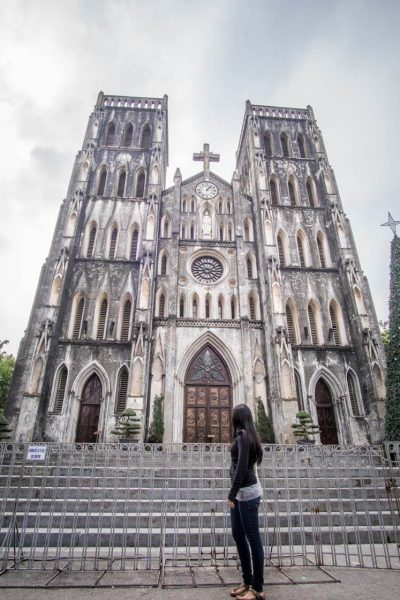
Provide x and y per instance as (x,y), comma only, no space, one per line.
(36,453)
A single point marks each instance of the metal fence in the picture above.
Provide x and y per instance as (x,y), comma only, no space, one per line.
(144,506)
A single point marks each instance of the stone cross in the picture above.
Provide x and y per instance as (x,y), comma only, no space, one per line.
(206,156)
(391,223)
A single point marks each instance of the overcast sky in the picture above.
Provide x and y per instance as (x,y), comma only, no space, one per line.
(209,56)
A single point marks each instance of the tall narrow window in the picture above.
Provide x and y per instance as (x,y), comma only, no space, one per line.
(252,307)
(230,234)
(126,321)
(313,325)
(121,184)
(285,145)
(208,311)
(164,265)
(161,305)
(335,329)
(146,137)
(102,182)
(302,146)
(274,192)
(140,185)
(166,228)
(134,245)
(351,385)
(300,249)
(281,252)
(220,308)
(60,393)
(292,193)
(221,233)
(220,208)
(290,325)
(128,135)
(194,308)
(184,231)
(122,391)
(76,332)
(101,323)
(184,205)
(320,246)
(110,139)
(192,206)
(267,145)
(310,193)
(113,242)
(246,232)
(249,268)
(233,308)
(182,307)
(192,232)
(92,237)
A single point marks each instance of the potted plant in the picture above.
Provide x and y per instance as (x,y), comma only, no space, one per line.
(127,426)
(304,429)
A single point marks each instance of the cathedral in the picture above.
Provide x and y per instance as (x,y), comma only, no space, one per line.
(210,293)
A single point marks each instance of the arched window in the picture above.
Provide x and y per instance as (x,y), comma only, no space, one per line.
(220,307)
(249,264)
(182,306)
(122,391)
(233,307)
(281,251)
(121,184)
(221,233)
(166,228)
(161,305)
(192,232)
(184,204)
(208,307)
(220,207)
(335,335)
(128,135)
(163,269)
(126,320)
(134,245)
(195,308)
(267,145)
(146,137)
(252,308)
(113,242)
(292,192)
(230,233)
(92,238)
(285,145)
(300,248)
(102,182)
(353,394)
(192,206)
(76,330)
(313,324)
(56,290)
(290,324)
(229,208)
(310,193)
(101,322)
(141,180)
(320,246)
(274,192)
(302,145)
(110,139)
(60,390)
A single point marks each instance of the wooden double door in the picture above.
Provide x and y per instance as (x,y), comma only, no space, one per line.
(326,414)
(88,422)
(208,400)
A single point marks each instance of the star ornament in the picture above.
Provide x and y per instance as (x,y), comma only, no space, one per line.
(391,223)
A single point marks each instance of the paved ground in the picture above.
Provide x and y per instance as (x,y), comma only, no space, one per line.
(354,584)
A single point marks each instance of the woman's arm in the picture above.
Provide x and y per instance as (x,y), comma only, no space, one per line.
(242,466)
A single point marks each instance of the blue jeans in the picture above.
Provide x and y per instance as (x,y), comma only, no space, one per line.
(246,532)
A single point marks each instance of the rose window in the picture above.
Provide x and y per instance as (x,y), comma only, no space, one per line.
(207,269)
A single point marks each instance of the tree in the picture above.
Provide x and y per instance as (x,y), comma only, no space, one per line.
(156,430)
(304,428)
(263,424)
(392,425)
(128,424)
(7,363)
(4,428)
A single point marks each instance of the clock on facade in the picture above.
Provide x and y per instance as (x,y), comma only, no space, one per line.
(206,189)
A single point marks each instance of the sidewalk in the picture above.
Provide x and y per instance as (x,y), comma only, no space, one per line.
(354,584)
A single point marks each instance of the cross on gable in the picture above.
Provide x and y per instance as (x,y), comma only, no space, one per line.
(206,156)
(391,223)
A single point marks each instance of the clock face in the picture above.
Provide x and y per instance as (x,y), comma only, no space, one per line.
(206,189)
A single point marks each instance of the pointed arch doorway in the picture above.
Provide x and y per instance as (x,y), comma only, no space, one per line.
(208,399)
(88,421)
(325,413)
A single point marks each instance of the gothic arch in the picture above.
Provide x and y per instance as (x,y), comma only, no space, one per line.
(56,290)
(329,378)
(86,372)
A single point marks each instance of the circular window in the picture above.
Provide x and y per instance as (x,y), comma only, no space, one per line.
(207,269)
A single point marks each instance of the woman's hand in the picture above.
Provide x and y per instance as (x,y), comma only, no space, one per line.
(230,504)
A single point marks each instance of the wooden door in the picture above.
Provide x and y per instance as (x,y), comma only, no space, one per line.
(88,422)
(325,413)
(207,412)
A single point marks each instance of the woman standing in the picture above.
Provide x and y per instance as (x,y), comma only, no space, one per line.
(244,501)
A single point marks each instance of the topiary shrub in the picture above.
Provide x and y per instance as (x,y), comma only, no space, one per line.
(127,425)
(4,428)
(304,428)
(263,424)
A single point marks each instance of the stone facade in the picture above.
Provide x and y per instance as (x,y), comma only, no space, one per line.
(254,287)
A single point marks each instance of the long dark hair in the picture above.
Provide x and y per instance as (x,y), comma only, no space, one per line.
(242,420)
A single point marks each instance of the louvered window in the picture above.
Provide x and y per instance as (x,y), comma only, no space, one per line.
(274,192)
(61,385)
(249,268)
(301,144)
(161,306)
(113,243)
(121,184)
(126,321)
(102,183)
(292,194)
(140,185)
(252,307)
(146,137)
(134,245)
(301,251)
(78,319)
(353,395)
(194,309)
(110,140)
(128,135)
(310,193)
(285,145)
(321,252)
(290,325)
(92,237)
(122,392)
(101,324)
(182,307)
(313,325)
(281,253)
(164,265)
(336,334)
(267,146)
